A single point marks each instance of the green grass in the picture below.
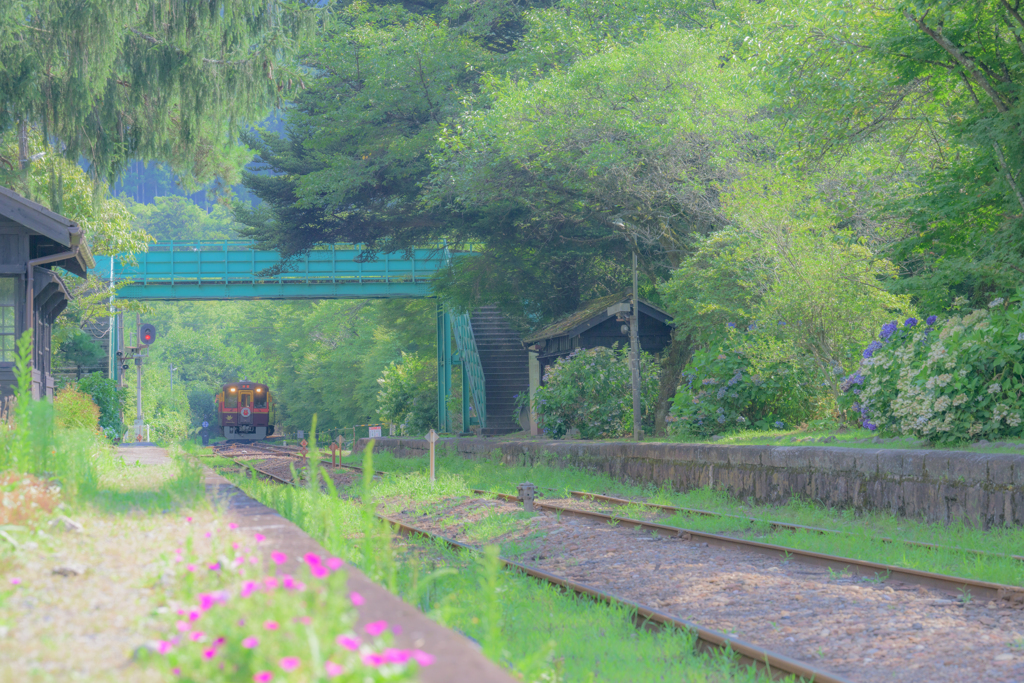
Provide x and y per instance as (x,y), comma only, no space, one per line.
(460,474)
(534,629)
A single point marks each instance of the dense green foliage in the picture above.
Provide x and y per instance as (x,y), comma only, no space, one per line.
(724,391)
(110,400)
(75,409)
(591,392)
(952,380)
(113,81)
(408,393)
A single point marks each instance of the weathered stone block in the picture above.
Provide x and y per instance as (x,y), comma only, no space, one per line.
(969,468)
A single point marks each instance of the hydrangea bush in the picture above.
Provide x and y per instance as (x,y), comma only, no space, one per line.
(954,380)
(720,393)
(592,391)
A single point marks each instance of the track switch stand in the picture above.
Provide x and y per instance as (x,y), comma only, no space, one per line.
(527,492)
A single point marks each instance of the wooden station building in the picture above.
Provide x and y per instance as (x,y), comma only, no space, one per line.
(33,241)
(595,324)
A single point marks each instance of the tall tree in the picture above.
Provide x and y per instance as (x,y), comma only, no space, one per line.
(175,80)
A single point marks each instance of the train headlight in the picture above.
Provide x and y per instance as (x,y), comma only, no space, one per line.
(232,390)
(258,390)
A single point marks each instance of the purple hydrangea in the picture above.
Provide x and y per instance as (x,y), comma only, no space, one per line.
(870,426)
(731,324)
(910,322)
(930,320)
(779,424)
(888,330)
(870,350)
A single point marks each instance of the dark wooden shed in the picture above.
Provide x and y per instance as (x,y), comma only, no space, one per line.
(597,323)
(34,240)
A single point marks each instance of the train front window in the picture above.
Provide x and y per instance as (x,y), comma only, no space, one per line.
(230,400)
(261,399)
(246,399)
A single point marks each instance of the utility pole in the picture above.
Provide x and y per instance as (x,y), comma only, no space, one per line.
(170,366)
(634,352)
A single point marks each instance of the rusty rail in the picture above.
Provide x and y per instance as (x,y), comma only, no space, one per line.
(775,664)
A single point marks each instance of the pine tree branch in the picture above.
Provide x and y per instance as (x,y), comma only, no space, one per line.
(1009,176)
(963,60)
(156,41)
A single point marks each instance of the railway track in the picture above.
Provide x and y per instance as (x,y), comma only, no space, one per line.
(957,592)
(776,664)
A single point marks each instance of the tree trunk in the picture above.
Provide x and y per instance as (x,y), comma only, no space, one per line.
(22,145)
(675,359)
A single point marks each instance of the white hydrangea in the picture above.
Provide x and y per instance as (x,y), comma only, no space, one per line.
(996,302)
(994,388)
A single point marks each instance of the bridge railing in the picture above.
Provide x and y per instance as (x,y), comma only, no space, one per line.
(236,261)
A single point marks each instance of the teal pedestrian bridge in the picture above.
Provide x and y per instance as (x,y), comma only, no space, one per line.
(237,270)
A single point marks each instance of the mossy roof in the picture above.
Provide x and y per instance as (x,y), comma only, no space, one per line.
(589,310)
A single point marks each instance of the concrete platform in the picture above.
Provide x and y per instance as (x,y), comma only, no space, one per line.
(984,489)
(456,657)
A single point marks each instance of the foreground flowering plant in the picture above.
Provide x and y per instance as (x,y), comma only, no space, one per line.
(236,625)
(951,380)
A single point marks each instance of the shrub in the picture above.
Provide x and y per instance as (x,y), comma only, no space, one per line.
(591,391)
(74,409)
(111,402)
(168,427)
(408,393)
(722,392)
(955,380)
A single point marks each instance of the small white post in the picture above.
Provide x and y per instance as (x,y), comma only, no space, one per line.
(432,438)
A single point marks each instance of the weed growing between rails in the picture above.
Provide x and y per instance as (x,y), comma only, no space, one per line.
(460,475)
(535,629)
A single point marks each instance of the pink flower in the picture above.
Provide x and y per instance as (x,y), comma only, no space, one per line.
(188,519)
(375,628)
(183,626)
(311,558)
(176,671)
(278,557)
(303,620)
(372,659)
(164,646)
(209,535)
(215,567)
(270,625)
(210,654)
(270,582)
(194,615)
(333,669)
(260,538)
(356,598)
(15,581)
(319,571)
(289,663)
(248,588)
(262,677)
(190,568)
(206,601)
(422,658)
(348,642)
(232,526)
(220,641)
(396,656)
(334,564)
(250,642)
(234,546)
(196,636)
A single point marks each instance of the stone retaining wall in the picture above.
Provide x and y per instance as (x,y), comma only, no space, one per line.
(943,486)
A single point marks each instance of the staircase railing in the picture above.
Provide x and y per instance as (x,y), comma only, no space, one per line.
(462,327)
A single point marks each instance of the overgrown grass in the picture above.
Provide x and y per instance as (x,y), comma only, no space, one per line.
(534,629)
(864,541)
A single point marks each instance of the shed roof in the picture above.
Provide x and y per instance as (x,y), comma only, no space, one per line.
(590,314)
(41,220)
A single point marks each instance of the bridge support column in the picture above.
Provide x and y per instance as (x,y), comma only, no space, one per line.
(444,367)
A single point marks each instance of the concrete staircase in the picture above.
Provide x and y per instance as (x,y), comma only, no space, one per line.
(506,368)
